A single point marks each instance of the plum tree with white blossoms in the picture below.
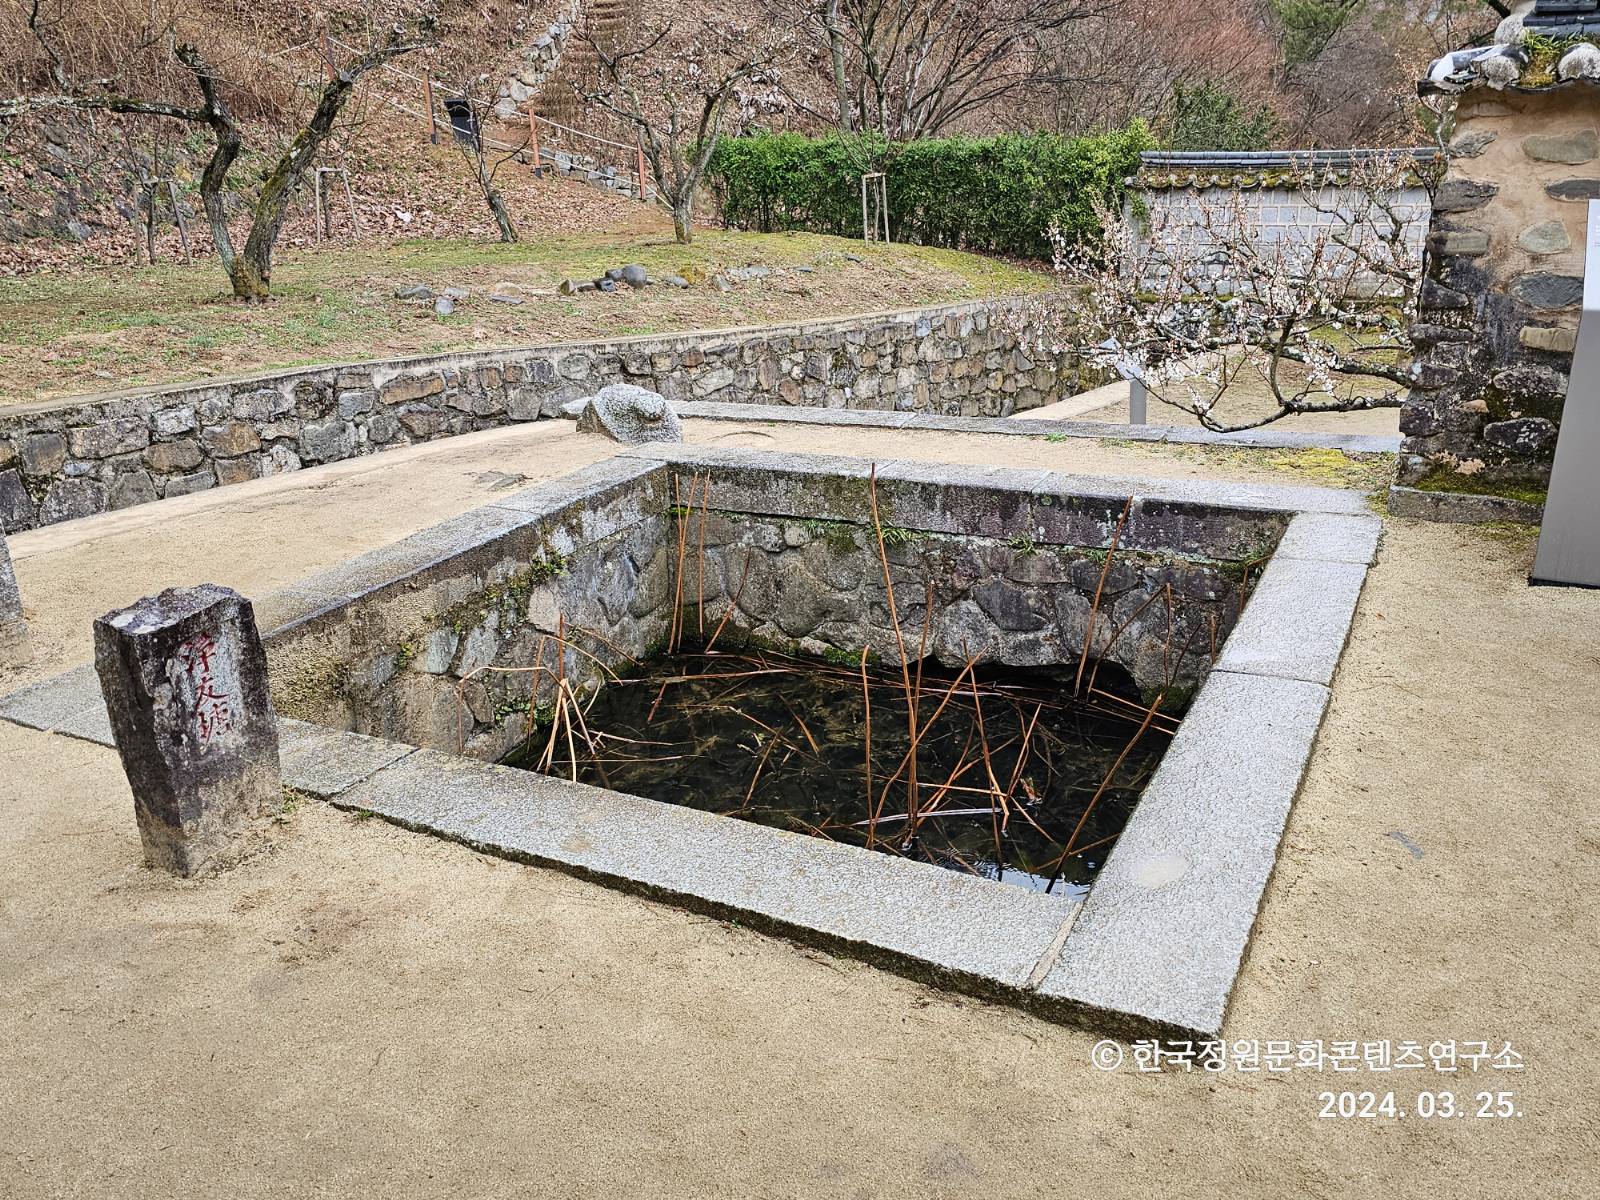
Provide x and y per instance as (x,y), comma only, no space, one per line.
(1200,302)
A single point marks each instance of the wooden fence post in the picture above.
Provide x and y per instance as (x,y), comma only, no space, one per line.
(427,94)
(639,163)
(533,138)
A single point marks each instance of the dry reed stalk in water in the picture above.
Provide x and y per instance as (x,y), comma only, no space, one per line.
(900,645)
(1111,774)
(683,534)
(911,753)
(1094,608)
(751,790)
(866,695)
(994,784)
(1060,860)
(700,570)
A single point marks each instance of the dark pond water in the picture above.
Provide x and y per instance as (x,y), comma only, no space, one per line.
(782,741)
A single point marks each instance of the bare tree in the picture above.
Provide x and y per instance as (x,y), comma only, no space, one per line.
(676,93)
(1199,305)
(471,105)
(1131,58)
(914,68)
(249,267)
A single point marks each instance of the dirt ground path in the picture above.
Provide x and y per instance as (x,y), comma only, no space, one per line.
(358,1010)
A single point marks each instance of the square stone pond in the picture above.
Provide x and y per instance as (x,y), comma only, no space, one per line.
(657,673)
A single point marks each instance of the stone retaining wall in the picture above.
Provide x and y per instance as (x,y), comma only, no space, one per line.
(1499,307)
(63,460)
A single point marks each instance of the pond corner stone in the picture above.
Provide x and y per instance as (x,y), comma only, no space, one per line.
(185,683)
(15,650)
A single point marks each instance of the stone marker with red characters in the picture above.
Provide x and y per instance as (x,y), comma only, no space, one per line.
(185,682)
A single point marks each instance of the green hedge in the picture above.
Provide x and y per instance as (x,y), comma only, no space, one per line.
(993,194)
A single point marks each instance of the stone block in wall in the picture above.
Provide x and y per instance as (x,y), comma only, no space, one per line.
(169,422)
(130,488)
(1547,291)
(1463,195)
(71,499)
(187,485)
(1545,237)
(1580,190)
(279,460)
(182,454)
(327,441)
(16,506)
(1553,340)
(409,388)
(1571,146)
(1470,242)
(237,470)
(230,438)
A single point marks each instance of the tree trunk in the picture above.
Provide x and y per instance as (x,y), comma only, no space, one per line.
(251,279)
(683,219)
(252,272)
(502,218)
(841,87)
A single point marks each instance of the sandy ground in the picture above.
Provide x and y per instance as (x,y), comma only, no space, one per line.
(357,1010)
(1378,421)
(1246,401)
(1381,422)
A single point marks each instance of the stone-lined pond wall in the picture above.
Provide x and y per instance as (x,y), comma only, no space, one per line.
(1499,305)
(60,460)
(435,649)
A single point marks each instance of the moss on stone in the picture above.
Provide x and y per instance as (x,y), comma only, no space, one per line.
(1544,53)
(1443,479)
(307,687)
(510,598)
(841,657)
(838,536)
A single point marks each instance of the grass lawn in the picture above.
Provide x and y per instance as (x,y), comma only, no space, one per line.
(100,329)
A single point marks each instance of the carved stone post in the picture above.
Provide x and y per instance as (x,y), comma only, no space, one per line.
(185,682)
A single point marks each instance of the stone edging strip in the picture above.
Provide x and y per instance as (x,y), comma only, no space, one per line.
(1461,508)
(1159,941)
(1019,426)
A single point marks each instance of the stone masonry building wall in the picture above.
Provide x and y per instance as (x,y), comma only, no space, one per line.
(63,460)
(1500,304)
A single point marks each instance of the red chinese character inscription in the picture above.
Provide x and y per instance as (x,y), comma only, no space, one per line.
(213,709)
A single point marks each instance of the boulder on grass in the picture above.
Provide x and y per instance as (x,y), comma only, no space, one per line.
(630,415)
